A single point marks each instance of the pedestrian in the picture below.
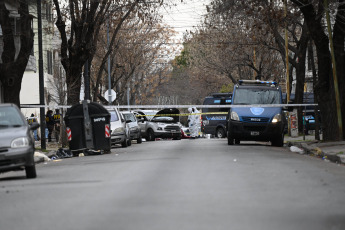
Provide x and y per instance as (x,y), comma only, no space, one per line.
(50,124)
(192,123)
(57,124)
(197,121)
(31,120)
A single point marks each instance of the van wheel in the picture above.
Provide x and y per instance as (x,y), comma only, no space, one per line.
(237,141)
(220,133)
(279,142)
(150,135)
(30,171)
(230,140)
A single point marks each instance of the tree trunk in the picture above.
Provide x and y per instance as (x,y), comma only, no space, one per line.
(73,82)
(316,109)
(339,52)
(12,68)
(300,74)
(324,87)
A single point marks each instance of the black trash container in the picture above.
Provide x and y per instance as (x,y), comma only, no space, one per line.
(88,127)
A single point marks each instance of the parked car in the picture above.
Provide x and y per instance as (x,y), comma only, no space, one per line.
(165,124)
(143,116)
(119,129)
(17,143)
(132,123)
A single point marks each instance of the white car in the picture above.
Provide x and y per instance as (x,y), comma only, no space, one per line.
(119,130)
(165,124)
(132,123)
(143,116)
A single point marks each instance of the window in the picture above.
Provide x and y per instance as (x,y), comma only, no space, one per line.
(49,62)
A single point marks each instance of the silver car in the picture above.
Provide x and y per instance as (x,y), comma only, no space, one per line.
(165,124)
(132,123)
(119,130)
(17,144)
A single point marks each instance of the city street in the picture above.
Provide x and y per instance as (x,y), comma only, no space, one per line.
(198,184)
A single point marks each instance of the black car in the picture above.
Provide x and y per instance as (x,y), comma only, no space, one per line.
(17,145)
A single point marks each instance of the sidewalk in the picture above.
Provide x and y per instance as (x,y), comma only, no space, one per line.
(328,151)
(45,156)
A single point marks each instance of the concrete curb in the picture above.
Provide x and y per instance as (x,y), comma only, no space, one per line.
(314,148)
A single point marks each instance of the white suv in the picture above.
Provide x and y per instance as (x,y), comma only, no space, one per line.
(165,124)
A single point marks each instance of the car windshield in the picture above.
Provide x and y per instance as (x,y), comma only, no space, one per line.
(9,117)
(129,117)
(114,116)
(256,96)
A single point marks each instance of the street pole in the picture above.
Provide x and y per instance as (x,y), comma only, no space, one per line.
(109,79)
(86,81)
(41,76)
(335,78)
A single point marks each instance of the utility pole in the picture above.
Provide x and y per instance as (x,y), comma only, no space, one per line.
(335,78)
(287,55)
(109,78)
(41,76)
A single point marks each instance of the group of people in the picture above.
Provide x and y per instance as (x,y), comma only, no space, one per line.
(194,122)
(52,125)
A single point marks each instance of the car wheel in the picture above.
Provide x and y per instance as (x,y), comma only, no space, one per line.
(178,137)
(30,171)
(129,142)
(150,135)
(124,144)
(237,141)
(220,133)
(139,140)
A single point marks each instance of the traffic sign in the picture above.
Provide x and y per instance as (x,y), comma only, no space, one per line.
(113,95)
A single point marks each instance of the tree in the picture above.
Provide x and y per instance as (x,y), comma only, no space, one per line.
(134,56)
(86,18)
(15,56)
(314,13)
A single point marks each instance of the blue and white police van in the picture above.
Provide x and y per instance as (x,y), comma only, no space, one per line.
(253,119)
(213,120)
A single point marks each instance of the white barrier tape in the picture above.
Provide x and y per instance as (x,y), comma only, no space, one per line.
(175,106)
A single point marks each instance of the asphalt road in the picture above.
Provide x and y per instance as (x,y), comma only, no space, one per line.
(199,184)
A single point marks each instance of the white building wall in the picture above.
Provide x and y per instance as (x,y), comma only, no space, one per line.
(30,84)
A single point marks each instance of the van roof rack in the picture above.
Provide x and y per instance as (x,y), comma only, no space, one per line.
(257,82)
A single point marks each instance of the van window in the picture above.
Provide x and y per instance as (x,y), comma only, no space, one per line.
(245,96)
(216,101)
(114,116)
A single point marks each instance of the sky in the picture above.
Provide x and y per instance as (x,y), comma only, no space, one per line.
(184,15)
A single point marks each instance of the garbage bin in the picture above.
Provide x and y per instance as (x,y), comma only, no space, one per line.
(90,131)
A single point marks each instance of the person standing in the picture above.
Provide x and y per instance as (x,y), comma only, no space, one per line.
(50,124)
(31,120)
(57,124)
(196,121)
(192,123)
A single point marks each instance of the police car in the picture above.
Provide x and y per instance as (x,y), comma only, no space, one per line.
(256,118)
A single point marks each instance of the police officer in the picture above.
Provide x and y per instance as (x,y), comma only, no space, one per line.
(50,124)
(57,124)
